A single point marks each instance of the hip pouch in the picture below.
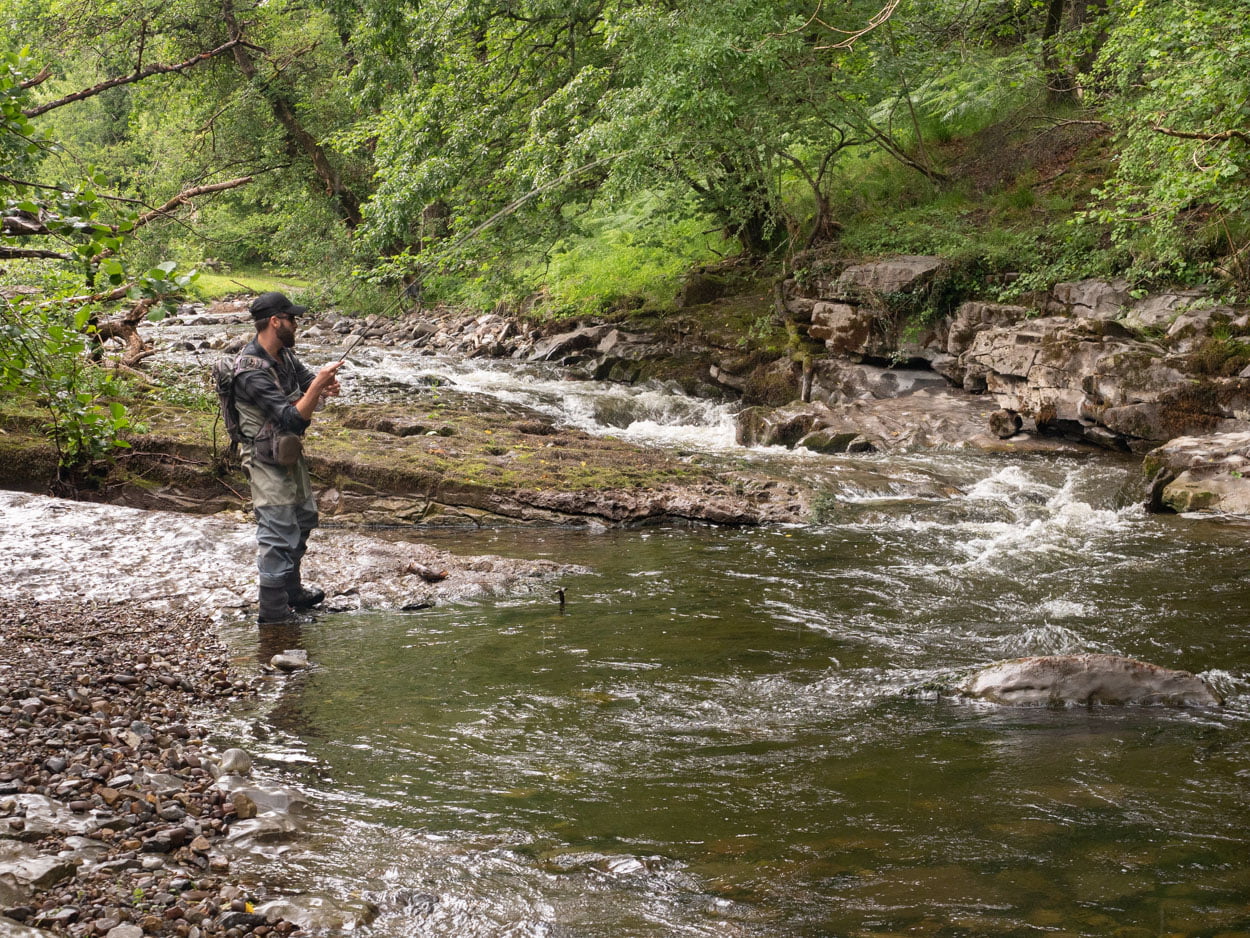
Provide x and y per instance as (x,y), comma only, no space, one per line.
(277,447)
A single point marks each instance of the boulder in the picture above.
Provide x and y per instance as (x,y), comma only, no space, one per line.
(558,347)
(844,328)
(902,274)
(779,426)
(1201,473)
(1086,680)
(832,441)
(1196,490)
(1091,299)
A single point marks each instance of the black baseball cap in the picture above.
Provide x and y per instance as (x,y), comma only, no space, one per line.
(275,304)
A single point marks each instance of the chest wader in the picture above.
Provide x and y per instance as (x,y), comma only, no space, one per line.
(286,513)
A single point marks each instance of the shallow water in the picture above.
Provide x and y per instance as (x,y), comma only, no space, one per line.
(753,732)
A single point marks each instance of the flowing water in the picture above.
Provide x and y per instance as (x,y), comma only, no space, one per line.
(754,732)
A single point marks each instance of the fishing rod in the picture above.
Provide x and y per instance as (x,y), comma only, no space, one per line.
(351,348)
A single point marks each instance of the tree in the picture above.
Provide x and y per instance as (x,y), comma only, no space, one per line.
(46,336)
(1173,81)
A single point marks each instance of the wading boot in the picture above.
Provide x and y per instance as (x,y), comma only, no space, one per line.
(275,609)
(299,597)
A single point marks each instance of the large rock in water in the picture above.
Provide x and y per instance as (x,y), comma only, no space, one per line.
(1056,680)
(1201,473)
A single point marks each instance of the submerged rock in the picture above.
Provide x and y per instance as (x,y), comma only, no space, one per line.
(320,913)
(12,929)
(1056,680)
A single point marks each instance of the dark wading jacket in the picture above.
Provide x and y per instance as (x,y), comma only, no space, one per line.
(258,399)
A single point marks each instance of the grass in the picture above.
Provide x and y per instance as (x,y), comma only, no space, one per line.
(211,285)
(626,256)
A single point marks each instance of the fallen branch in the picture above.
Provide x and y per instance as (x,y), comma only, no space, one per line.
(127,328)
(7,252)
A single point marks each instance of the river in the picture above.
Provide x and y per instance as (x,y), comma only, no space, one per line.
(753,732)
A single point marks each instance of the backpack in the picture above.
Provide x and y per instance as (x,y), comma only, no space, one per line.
(224,371)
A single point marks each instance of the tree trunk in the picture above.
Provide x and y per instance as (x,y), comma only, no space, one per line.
(284,111)
(1059,83)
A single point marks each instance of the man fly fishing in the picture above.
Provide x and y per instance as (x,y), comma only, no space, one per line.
(274,396)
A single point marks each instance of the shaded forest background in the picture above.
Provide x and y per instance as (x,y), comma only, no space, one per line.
(581,156)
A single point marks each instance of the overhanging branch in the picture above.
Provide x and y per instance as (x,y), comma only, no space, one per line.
(137,75)
(1221,137)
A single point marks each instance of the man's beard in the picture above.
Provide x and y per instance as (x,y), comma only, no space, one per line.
(286,333)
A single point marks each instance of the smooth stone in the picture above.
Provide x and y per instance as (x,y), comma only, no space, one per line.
(236,762)
(320,913)
(293,659)
(1055,680)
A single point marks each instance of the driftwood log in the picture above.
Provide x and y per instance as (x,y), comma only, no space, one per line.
(126,328)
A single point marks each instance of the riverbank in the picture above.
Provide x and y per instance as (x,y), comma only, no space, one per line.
(113,818)
(110,819)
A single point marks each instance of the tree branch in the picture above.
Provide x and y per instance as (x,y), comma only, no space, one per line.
(182,198)
(137,75)
(44,74)
(8,252)
(1242,135)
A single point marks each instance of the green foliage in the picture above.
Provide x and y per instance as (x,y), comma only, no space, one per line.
(634,256)
(47,342)
(43,351)
(1173,78)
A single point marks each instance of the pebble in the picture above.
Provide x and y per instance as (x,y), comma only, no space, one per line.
(236,762)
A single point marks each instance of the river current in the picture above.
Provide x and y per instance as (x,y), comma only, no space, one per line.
(754,732)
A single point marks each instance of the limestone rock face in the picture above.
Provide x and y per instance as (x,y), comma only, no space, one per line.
(1062,371)
(1090,299)
(1201,473)
(902,274)
(1159,311)
(1086,680)
(974,316)
(835,381)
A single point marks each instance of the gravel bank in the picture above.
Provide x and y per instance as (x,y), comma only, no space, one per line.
(108,811)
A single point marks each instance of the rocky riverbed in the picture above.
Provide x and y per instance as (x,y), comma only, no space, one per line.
(118,817)
(110,813)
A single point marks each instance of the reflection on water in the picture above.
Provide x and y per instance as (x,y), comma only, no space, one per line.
(750,732)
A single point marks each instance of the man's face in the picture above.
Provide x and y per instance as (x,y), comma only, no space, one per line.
(286,330)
